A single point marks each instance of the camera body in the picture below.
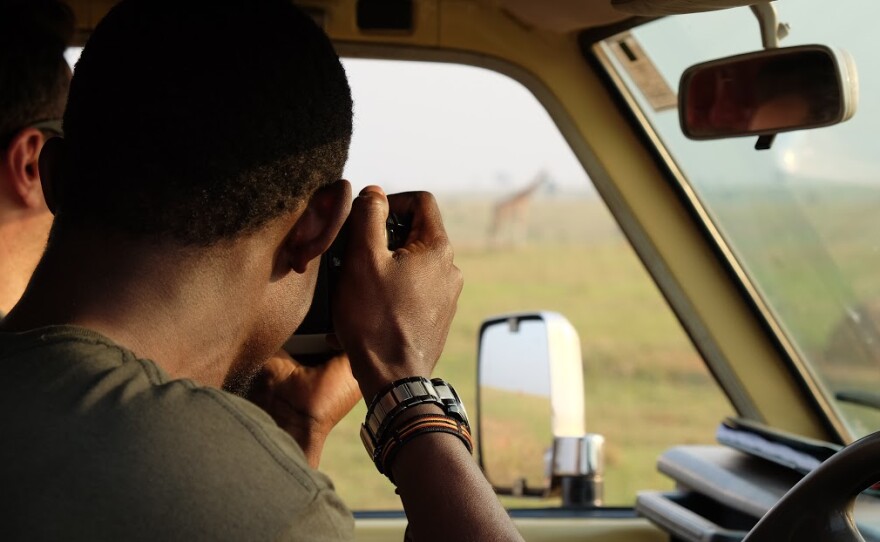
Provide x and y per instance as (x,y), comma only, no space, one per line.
(309,340)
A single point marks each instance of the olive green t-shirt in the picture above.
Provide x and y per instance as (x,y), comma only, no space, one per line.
(96,444)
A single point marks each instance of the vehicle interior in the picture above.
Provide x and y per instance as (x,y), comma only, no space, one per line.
(762,253)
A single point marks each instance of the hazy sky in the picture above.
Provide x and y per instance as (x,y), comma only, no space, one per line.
(445,127)
(516,361)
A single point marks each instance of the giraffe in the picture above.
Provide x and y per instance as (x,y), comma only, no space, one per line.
(511,213)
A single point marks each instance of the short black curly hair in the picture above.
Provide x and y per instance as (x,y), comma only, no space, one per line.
(200,120)
(34,75)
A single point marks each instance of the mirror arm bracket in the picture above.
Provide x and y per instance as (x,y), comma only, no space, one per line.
(765,142)
(577,469)
(772,31)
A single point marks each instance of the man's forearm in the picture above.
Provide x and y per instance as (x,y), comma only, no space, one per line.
(445,495)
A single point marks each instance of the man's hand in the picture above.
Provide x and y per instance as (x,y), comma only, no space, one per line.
(392,313)
(393,310)
(307,402)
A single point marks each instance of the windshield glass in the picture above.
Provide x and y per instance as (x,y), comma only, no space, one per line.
(803,218)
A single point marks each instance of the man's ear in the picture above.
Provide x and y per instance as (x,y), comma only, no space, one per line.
(52,159)
(319,224)
(22,167)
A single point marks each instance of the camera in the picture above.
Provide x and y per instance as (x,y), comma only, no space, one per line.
(308,344)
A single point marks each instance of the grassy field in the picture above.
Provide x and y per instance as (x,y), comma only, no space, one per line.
(516,437)
(813,249)
(646,388)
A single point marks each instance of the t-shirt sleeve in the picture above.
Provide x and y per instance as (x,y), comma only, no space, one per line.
(326,518)
(300,500)
(111,449)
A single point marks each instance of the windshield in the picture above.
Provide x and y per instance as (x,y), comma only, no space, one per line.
(803,218)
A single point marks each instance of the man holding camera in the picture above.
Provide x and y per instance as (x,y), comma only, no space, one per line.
(195,190)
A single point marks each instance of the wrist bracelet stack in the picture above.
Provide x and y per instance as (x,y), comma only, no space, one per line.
(383,441)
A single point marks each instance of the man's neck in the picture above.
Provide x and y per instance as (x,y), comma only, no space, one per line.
(185,310)
(22,240)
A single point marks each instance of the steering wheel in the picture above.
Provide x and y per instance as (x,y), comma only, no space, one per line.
(819,507)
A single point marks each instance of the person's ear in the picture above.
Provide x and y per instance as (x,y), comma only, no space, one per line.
(22,167)
(51,164)
(318,225)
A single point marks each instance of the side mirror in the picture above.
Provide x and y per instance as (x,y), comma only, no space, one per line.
(768,92)
(530,410)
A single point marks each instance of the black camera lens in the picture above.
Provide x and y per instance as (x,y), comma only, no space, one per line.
(398,231)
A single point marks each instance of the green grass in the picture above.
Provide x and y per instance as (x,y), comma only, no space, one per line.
(812,247)
(646,388)
(813,250)
(516,437)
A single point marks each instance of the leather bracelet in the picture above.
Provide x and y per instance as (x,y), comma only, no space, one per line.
(400,433)
(392,453)
(419,425)
(391,448)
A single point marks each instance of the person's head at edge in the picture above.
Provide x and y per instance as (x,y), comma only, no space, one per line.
(197,184)
(35,78)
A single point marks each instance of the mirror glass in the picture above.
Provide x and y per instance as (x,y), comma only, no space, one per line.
(514,406)
(761,93)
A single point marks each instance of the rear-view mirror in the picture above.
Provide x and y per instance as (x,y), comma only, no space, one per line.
(768,92)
